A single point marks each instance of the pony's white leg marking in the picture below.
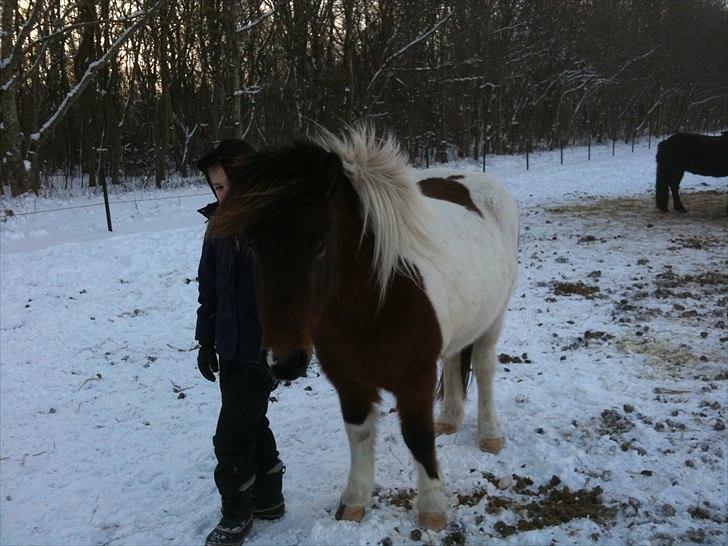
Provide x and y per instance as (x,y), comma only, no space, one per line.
(451,408)
(360,486)
(431,500)
(484,366)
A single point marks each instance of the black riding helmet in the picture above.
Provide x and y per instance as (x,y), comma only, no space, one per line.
(226,149)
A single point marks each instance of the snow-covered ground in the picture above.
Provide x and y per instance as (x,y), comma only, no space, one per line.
(621,392)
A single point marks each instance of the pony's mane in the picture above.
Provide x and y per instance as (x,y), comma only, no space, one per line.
(393,207)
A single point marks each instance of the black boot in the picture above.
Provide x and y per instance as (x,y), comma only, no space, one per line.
(268,493)
(237,518)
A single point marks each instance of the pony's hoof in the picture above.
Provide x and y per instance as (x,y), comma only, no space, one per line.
(444,428)
(348,513)
(432,520)
(491,445)
(681,209)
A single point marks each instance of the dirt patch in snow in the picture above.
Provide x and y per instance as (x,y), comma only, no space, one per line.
(537,508)
(703,206)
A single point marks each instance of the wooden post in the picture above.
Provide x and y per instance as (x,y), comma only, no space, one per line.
(649,133)
(633,132)
(528,150)
(561,145)
(614,142)
(106,200)
(588,148)
(485,150)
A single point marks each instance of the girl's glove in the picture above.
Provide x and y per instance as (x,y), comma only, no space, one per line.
(207,362)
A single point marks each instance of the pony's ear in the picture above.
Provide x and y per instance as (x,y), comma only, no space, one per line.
(330,169)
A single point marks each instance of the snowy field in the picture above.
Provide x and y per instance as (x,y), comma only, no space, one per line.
(612,390)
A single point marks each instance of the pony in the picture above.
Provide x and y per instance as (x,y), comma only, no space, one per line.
(384,271)
(697,154)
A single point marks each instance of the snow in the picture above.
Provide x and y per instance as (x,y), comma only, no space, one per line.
(96,329)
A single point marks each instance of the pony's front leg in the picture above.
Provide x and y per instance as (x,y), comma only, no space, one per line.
(415,412)
(451,409)
(360,422)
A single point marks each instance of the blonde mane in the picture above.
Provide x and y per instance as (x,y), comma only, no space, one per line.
(393,207)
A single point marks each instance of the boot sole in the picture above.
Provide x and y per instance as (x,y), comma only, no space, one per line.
(274,512)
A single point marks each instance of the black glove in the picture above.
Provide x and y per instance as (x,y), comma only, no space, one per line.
(207,361)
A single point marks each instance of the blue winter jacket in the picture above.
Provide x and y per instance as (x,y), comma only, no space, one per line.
(227,316)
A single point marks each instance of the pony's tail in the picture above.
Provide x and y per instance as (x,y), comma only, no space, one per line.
(466,356)
(662,179)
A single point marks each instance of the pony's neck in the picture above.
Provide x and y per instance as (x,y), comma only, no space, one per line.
(356,283)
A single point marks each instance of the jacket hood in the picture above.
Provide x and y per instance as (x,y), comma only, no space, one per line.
(225,149)
(209,209)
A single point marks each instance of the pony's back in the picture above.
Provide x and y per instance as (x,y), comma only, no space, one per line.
(698,154)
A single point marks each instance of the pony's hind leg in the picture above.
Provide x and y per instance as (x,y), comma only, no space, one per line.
(451,408)
(675,180)
(357,406)
(415,412)
(484,365)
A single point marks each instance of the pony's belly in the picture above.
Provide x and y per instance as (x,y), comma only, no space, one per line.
(467,302)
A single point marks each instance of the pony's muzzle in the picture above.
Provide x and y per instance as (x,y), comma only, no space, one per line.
(288,368)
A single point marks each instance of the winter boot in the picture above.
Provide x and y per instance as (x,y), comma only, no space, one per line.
(268,493)
(237,518)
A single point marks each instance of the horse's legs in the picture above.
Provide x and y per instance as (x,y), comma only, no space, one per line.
(415,413)
(662,186)
(451,409)
(360,422)
(484,366)
(675,179)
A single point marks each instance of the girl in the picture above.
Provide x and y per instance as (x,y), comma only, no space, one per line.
(249,473)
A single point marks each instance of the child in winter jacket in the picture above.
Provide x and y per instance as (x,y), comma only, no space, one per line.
(249,473)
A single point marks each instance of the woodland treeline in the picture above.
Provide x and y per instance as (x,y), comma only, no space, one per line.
(114,89)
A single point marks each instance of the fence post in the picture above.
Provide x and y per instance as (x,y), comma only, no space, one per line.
(614,142)
(633,132)
(427,153)
(649,133)
(588,148)
(106,201)
(561,145)
(485,149)
(528,150)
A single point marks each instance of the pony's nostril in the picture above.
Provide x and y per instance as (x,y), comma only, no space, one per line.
(290,367)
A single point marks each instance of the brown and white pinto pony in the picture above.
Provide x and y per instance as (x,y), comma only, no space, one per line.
(384,271)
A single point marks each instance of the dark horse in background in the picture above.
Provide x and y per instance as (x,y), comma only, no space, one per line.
(384,270)
(697,154)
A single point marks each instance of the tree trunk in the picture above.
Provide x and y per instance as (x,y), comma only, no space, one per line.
(164,104)
(13,170)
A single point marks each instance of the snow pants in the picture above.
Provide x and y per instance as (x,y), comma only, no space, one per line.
(243,440)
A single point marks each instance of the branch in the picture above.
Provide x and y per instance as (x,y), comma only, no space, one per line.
(255,22)
(709,99)
(92,69)
(74,26)
(23,34)
(405,48)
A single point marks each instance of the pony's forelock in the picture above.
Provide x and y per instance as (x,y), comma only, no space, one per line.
(392,205)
